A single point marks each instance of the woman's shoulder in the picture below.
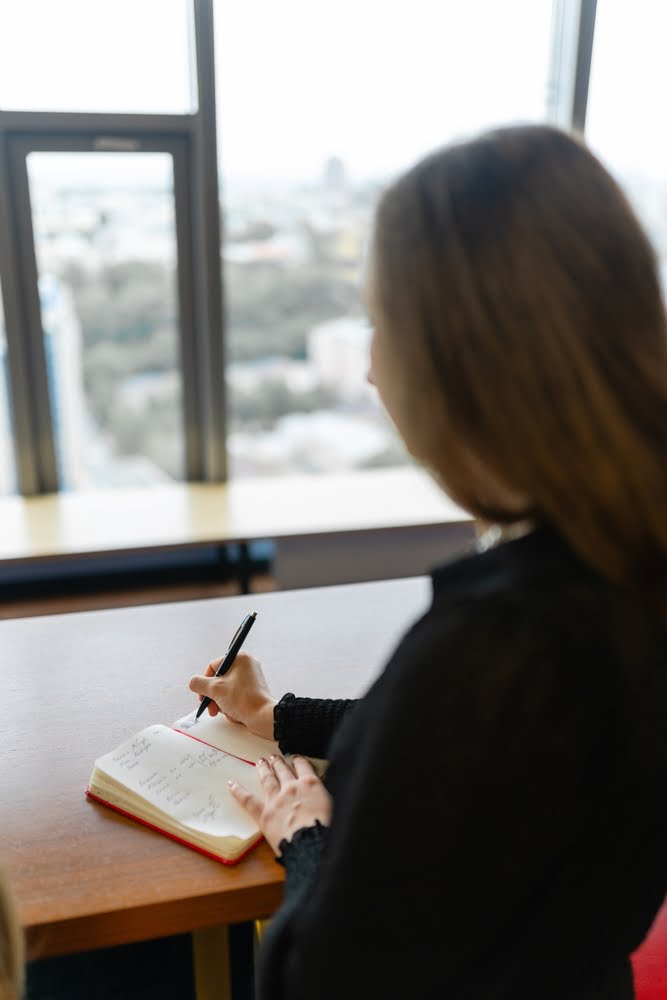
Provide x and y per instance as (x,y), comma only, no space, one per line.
(539,559)
(531,588)
(537,584)
(527,611)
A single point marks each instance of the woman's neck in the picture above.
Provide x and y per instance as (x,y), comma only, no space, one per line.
(490,535)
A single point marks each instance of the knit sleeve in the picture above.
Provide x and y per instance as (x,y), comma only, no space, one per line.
(301,856)
(306,725)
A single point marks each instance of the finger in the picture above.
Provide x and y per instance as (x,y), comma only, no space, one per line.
(212,708)
(202,685)
(246,799)
(281,769)
(212,667)
(267,775)
(302,767)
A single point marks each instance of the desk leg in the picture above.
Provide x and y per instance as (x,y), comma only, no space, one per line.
(212,969)
(245,567)
(259,926)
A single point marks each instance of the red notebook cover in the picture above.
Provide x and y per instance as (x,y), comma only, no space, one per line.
(172,836)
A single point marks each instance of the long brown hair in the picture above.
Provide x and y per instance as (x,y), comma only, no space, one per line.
(11,947)
(521,298)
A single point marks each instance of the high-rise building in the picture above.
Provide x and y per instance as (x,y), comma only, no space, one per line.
(338,350)
(62,346)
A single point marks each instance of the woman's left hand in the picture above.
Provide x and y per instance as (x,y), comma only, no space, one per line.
(294,797)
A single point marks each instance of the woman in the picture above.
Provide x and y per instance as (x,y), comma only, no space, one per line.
(518,731)
(11,947)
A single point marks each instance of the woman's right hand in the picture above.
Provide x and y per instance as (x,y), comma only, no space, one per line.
(242,694)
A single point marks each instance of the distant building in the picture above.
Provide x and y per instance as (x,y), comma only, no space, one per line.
(62,347)
(282,248)
(64,368)
(298,376)
(338,350)
(334,175)
(322,441)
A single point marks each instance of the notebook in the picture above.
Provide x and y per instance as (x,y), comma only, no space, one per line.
(173,779)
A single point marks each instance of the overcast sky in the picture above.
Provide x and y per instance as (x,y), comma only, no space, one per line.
(376,82)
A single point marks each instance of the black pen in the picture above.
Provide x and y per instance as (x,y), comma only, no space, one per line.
(230,655)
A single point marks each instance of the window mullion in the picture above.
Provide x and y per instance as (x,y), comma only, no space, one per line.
(572,46)
(18,364)
(86,122)
(584,58)
(206,254)
(31,410)
(189,353)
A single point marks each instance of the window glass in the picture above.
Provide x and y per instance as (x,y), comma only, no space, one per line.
(7,459)
(83,55)
(319,104)
(625,106)
(106,254)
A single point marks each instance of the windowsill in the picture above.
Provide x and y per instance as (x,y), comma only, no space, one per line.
(181,515)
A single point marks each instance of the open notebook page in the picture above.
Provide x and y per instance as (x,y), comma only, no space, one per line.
(185,779)
(234,738)
(229,736)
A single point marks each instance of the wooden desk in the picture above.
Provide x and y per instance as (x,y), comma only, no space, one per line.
(74,686)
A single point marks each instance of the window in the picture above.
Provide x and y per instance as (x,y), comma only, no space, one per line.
(78,55)
(625,105)
(105,242)
(316,112)
(111,253)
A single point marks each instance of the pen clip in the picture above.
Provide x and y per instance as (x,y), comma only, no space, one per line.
(235,635)
(240,629)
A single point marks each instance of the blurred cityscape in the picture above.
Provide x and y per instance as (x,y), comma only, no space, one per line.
(297,338)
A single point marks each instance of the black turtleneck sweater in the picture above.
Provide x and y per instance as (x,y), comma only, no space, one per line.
(499,795)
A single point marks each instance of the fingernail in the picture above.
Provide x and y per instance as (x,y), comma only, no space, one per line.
(272,757)
(260,760)
(232,784)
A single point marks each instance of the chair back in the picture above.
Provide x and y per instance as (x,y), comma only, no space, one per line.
(649,961)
